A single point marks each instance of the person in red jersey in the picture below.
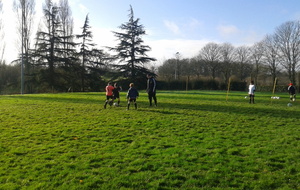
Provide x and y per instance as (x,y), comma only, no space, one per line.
(109,95)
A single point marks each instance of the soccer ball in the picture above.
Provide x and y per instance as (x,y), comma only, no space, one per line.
(289,104)
(116,104)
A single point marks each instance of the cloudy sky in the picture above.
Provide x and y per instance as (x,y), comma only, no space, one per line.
(183,26)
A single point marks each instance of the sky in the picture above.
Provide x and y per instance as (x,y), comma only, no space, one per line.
(172,26)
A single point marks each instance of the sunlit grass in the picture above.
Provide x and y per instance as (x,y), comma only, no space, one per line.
(192,140)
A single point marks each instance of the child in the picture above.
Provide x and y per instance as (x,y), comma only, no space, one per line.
(116,92)
(251,92)
(132,95)
(292,92)
(109,95)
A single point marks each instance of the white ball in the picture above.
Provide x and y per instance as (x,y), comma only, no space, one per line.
(115,104)
(289,104)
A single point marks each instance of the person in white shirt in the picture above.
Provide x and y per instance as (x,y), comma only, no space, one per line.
(251,92)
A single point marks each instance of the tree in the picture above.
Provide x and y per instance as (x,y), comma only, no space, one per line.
(131,52)
(69,62)
(257,51)
(271,55)
(211,54)
(227,57)
(51,49)
(287,37)
(167,70)
(243,58)
(67,23)
(85,47)
(9,75)
(25,11)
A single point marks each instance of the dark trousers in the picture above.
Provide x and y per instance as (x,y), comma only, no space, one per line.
(251,98)
(152,95)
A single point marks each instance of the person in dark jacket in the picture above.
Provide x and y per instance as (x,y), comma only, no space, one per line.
(292,92)
(116,93)
(151,89)
(132,95)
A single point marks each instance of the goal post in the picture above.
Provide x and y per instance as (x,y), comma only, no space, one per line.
(274,87)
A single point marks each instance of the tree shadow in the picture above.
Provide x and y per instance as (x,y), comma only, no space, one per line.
(251,109)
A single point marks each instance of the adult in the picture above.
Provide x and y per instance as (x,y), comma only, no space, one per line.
(151,89)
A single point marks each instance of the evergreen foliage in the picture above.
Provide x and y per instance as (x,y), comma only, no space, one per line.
(51,51)
(131,53)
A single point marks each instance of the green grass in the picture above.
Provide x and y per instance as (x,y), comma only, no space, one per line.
(192,140)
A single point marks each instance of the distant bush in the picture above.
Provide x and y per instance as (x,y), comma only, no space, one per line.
(200,85)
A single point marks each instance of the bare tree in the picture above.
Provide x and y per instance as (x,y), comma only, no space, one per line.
(227,52)
(67,23)
(242,58)
(197,66)
(271,55)
(25,11)
(211,54)
(287,37)
(166,70)
(257,51)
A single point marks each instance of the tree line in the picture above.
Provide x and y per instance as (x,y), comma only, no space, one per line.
(57,60)
(276,56)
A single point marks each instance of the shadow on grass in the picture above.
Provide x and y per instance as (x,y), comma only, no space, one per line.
(66,99)
(251,109)
(242,108)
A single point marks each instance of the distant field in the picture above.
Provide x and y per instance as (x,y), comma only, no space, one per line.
(192,140)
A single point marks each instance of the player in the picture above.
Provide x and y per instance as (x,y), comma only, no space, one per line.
(292,92)
(116,93)
(109,95)
(132,95)
(251,92)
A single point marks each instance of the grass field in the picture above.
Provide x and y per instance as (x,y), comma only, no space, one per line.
(192,140)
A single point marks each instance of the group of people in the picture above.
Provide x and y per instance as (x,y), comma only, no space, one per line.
(113,93)
(291,89)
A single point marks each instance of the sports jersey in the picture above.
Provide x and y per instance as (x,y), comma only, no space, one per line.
(109,90)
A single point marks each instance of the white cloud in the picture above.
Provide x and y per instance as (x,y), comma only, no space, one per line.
(231,33)
(251,37)
(103,37)
(172,26)
(227,30)
(166,49)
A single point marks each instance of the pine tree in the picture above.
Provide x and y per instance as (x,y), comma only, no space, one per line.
(131,52)
(51,49)
(85,47)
